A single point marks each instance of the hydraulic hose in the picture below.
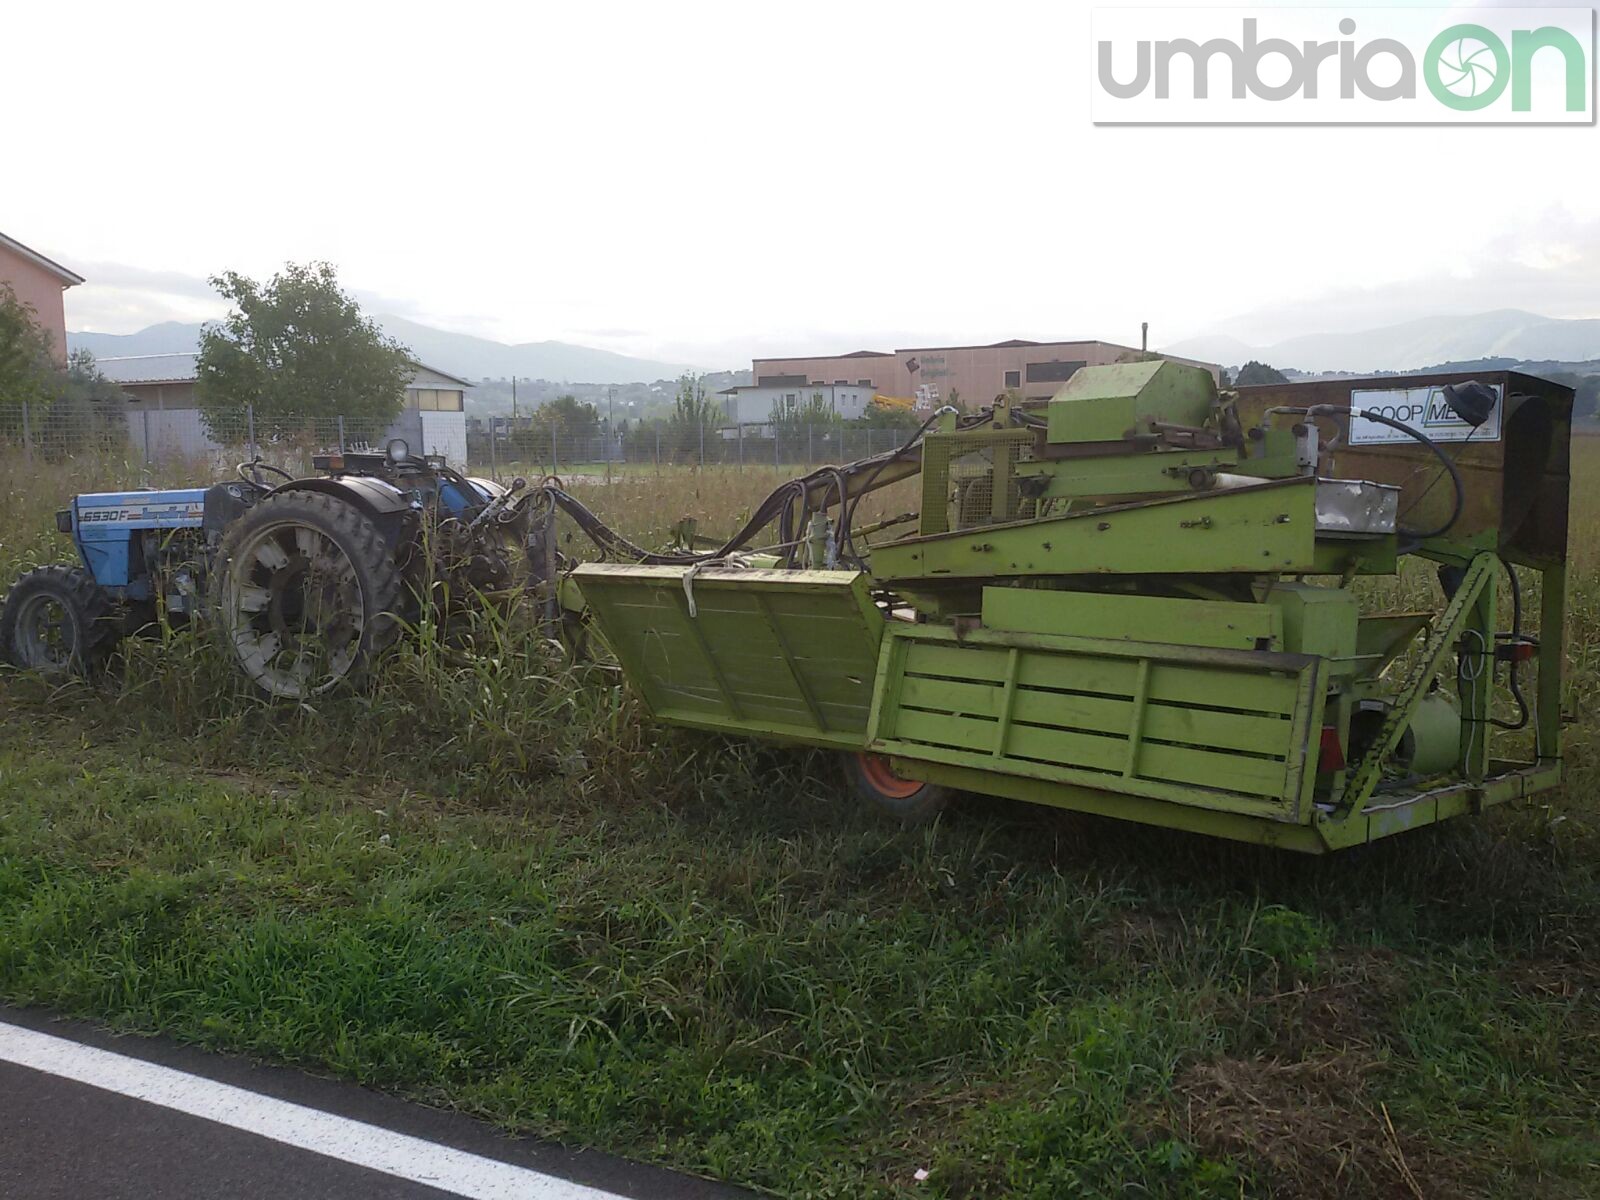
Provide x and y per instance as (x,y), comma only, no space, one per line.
(782,505)
(1511,671)
(1419,535)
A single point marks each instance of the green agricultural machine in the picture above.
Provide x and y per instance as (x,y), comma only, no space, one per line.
(1307,615)
(1143,599)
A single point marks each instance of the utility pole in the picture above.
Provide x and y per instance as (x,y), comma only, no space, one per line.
(512,437)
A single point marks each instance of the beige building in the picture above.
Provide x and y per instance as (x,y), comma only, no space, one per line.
(934,375)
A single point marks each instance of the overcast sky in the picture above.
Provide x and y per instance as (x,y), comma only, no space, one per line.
(703,181)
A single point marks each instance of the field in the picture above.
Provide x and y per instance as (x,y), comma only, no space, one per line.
(489,883)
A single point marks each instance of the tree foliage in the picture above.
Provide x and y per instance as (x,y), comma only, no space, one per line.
(28,370)
(70,408)
(1258,372)
(87,409)
(295,346)
(693,410)
(791,416)
(890,416)
(567,417)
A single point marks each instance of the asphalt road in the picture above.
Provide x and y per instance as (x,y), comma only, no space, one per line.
(250,1130)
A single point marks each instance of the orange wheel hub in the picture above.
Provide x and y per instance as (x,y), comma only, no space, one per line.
(877,772)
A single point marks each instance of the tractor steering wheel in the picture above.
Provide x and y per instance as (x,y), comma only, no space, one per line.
(250,472)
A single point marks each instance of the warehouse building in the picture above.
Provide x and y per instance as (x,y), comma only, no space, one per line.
(934,375)
(164,418)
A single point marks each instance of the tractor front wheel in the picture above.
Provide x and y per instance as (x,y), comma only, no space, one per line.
(57,621)
(913,801)
(304,592)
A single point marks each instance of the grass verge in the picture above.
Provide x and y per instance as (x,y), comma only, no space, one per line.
(745,977)
(490,884)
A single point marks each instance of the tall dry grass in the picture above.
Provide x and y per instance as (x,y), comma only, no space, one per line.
(491,705)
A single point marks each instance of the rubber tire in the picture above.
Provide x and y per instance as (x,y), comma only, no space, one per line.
(96,628)
(377,574)
(918,807)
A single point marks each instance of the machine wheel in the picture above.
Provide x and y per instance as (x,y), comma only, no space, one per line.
(304,593)
(913,801)
(57,620)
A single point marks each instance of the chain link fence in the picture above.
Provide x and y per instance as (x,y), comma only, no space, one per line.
(212,443)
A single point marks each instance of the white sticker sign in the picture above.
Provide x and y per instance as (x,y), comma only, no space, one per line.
(1422,408)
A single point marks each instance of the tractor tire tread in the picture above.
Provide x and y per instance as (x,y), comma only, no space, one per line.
(370,552)
(98,618)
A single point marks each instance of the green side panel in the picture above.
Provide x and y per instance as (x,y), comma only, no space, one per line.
(1109,403)
(1148,473)
(1218,623)
(1268,528)
(1316,620)
(784,654)
(1223,730)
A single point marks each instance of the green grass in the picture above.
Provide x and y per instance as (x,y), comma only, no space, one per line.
(491,884)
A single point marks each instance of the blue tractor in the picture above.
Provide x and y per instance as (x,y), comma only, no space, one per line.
(305,579)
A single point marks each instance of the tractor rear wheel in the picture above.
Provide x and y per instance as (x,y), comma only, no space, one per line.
(913,801)
(304,592)
(57,620)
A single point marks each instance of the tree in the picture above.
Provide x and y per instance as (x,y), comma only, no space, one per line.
(1258,372)
(567,417)
(296,346)
(27,361)
(791,416)
(87,409)
(694,414)
(558,424)
(889,416)
(69,409)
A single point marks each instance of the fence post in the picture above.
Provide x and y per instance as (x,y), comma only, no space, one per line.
(811,444)
(27,434)
(702,445)
(341,434)
(249,425)
(146,415)
(494,453)
(552,450)
(741,446)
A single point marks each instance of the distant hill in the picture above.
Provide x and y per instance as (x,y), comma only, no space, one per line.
(170,337)
(458,353)
(1408,346)
(480,358)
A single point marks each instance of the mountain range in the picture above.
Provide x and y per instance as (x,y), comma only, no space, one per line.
(472,358)
(1409,345)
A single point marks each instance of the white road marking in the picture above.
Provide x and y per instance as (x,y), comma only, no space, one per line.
(310,1129)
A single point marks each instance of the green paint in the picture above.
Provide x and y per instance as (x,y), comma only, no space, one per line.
(1126,608)
(1110,403)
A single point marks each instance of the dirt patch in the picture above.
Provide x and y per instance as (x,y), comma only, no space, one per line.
(1348,1008)
(1307,1129)
(1137,938)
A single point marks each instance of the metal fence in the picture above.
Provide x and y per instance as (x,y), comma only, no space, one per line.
(187,437)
